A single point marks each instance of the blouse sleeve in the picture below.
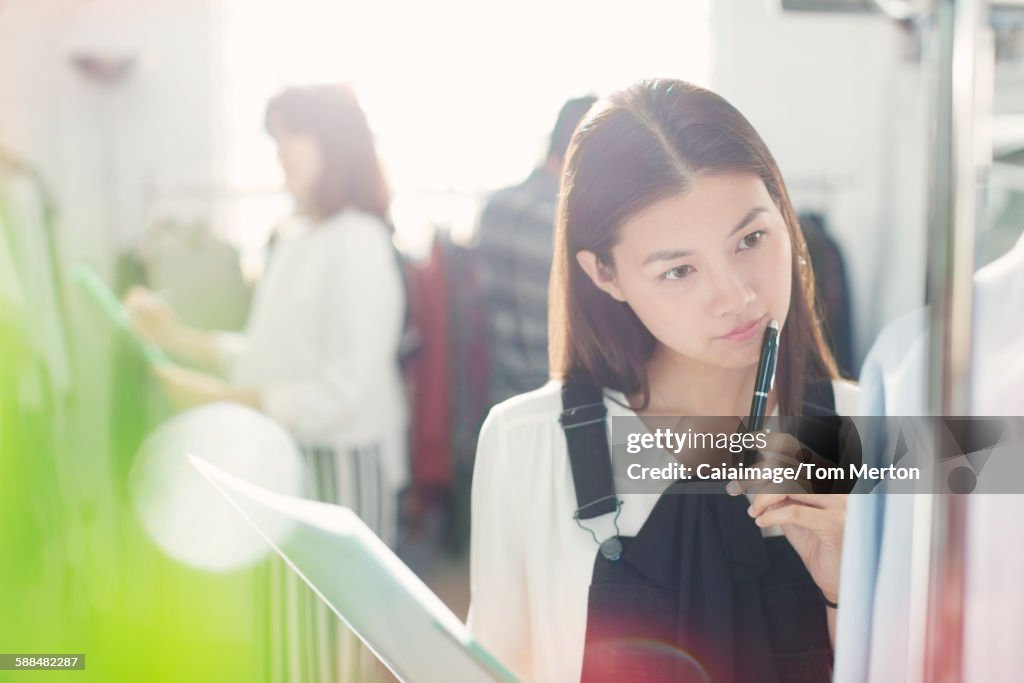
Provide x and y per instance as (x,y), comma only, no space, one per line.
(362,308)
(498,613)
(228,347)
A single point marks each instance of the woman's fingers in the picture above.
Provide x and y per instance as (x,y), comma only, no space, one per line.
(147,302)
(763,501)
(796,514)
(789,511)
(785,465)
(150,315)
(755,486)
(779,473)
(140,299)
(815,533)
(186,388)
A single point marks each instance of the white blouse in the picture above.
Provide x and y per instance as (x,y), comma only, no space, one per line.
(321,343)
(530,563)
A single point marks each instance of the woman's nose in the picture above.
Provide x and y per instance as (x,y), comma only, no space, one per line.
(731,293)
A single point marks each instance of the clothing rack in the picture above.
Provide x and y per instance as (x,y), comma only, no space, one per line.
(962,65)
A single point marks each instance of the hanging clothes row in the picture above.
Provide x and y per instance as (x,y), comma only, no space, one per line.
(30,285)
(36,382)
(875,629)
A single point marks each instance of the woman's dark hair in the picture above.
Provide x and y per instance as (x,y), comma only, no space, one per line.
(351,174)
(639,146)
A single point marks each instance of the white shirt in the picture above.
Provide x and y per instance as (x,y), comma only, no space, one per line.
(321,343)
(878,627)
(531,564)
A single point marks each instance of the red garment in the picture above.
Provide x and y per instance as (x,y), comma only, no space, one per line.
(427,374)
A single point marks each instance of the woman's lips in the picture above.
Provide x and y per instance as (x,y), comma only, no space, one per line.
(745,332)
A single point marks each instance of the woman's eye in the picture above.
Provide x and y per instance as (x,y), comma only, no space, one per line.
(678,273)
(751,240)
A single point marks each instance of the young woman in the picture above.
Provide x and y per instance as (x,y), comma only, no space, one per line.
(319,353)
(675,246)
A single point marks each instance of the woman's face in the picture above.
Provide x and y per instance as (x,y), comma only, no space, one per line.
(300,159)
(704,271)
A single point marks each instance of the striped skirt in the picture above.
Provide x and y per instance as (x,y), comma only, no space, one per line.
(303,641)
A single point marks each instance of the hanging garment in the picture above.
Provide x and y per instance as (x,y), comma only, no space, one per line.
(36,379)
(13,350)
(515,252)
(469,366)
(12,300)
(185,262)
(874,631)
(833,295)
(26,213)
(429,375)
(428,372)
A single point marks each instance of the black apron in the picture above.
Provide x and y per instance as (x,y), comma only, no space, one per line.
(698,594)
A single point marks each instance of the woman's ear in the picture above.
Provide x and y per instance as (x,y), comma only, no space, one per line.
(600,273)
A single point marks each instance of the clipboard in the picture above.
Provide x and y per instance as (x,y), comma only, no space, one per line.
(97,290)
(364,583)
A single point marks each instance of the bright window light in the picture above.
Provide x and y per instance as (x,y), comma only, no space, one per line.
(461,94)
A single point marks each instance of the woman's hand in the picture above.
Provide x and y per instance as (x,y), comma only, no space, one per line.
(812,522)
(150,315)
(188,388)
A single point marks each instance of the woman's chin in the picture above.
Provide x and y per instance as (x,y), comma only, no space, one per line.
(738,359)
(726,360)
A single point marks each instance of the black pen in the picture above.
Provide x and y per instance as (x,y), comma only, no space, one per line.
(763,383)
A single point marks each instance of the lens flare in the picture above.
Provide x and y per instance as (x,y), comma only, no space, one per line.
(640,654)
(183,513)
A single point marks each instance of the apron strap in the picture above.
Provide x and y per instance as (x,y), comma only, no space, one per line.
(583,420)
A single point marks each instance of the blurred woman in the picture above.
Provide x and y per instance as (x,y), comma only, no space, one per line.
(319,352)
